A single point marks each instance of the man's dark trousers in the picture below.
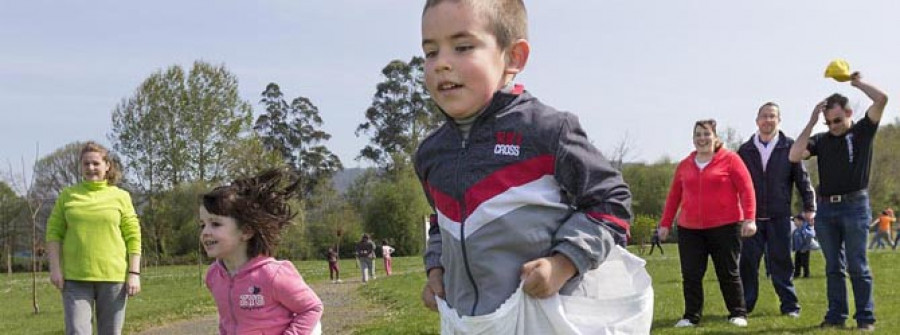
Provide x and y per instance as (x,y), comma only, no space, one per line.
(774,234)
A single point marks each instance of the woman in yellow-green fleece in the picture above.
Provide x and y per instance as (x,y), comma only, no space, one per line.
(95,227)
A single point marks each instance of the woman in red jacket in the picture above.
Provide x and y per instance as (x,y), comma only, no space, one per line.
(714,191)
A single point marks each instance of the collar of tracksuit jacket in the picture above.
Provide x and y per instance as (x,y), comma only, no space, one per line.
(501,100)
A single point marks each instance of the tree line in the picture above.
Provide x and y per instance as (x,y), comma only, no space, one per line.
(184,131)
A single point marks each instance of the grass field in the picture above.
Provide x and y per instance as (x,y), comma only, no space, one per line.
(409,317)
(174,293)
(168,293)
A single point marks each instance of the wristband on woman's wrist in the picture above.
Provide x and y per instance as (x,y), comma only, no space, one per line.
(134,273)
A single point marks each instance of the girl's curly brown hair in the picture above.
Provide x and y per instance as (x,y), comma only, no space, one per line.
(259,204)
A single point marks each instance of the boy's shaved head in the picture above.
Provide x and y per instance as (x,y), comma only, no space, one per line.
(507,19)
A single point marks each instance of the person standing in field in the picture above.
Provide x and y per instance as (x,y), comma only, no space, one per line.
(334,272)
(94,246)
(802,243)
(883,229)
(774,177)
(654,242)
(365,253)
(712,193)
(844,155)
(386,251)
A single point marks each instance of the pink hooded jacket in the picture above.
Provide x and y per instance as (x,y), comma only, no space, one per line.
(266,296)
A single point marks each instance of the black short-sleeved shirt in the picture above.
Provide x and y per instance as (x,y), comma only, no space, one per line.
(844,160)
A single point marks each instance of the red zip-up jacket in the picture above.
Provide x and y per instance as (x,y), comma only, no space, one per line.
(722,193)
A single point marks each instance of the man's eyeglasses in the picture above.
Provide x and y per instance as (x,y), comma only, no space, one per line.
(834,121)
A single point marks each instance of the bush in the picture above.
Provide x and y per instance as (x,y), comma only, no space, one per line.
(642,228)
(396,212)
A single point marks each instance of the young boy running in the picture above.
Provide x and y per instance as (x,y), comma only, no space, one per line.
(520,193)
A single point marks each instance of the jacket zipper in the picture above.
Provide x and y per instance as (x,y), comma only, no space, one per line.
(700,191)
(765,185)
(231,303)
(700,181)
(462,223)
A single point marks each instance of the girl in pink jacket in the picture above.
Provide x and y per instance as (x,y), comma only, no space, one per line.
(240,226)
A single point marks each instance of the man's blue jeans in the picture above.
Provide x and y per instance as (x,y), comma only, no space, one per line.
(842,229)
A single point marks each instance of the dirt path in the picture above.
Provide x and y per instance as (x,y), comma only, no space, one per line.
(344,309)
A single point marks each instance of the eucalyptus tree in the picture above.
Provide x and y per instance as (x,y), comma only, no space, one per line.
(294,130)
(400,116)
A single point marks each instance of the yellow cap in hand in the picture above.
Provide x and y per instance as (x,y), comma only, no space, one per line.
(839,70)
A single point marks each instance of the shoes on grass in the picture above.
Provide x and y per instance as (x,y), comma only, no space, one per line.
(684,323)
(739,321)
(866,327)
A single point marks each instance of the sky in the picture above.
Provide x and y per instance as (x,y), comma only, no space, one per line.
(637,70)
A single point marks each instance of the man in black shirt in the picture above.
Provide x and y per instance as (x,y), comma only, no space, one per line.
(844,156)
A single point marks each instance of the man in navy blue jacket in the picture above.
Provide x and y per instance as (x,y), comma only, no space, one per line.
(766,157)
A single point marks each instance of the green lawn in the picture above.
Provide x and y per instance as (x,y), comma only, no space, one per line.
(402,294)
(168,293)
(174,292)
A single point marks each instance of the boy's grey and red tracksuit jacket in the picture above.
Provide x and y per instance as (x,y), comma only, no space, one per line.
(526,184)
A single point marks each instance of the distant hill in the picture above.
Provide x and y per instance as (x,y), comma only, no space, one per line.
(343,179)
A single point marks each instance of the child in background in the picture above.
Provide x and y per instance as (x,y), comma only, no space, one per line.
(654,242)
(241,226)
(333,271)
(882,227)
(386,251)
(365,253)
(802,242)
